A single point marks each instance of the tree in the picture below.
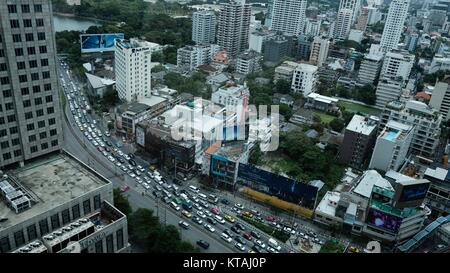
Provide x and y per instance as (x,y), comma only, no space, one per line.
(140,223)
(255,156)
(121,203)
(282,86)
(110,97)
(337,124)
(286,111)
(366,94)
(186,247)
(166,240)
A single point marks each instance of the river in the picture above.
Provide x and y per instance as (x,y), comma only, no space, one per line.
(62,23)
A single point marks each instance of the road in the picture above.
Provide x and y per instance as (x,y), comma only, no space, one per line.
(77,144)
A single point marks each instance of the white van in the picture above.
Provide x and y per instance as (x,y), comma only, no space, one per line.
(194,189)
(175,206)
(202,196)
(273,243)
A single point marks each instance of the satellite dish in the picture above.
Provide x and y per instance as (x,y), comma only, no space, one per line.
(73,247)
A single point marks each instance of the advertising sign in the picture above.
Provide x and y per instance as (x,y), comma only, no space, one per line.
(99,42)
(140,136)
(383,220)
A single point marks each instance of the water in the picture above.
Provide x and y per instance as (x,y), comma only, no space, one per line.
(62,23)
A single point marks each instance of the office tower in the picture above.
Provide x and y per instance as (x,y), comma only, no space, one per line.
(388,89)
(319,51)
(353,5)
(30,114)
(425,140)
(312,27)
(289,16)
(370,68)
(203,27)
(359,140)
(304,47)
(393,28)
(391,148)
(234,25)
(342,24)
(133,69)
(397,64)
(304,79)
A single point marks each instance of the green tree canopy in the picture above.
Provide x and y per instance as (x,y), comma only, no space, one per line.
(121,203)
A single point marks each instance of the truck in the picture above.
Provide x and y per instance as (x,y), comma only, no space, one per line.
(273,243)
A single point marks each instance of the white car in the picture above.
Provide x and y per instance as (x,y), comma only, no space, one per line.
(239,206)
(95,143)
(260,243)
(120,153)
(146,186)
(139,180)
(132,175)
(210,228)
(105,153)
(107,134)
(240,246)
(127,157)
(201,214)
(118,164)
(271,249)
(226,238)
(219,219)
(112,159)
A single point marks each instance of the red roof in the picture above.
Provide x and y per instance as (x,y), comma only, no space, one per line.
(423,95)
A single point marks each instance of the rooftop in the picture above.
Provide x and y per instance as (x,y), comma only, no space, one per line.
(368,180)
(326,204)
(248,55)
(137,108)
(54,181)
(363,125)
(97,82)
(438,173)
(395,131)
(322,98)
(152,101)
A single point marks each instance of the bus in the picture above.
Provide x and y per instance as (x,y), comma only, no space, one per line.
(213,199)
(186,205)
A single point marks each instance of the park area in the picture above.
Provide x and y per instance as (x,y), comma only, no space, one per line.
(359,108)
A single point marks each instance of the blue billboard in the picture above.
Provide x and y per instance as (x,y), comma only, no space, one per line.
(283,187)
(383,220)
(99,42)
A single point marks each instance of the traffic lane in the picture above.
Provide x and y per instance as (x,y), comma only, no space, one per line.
(135,197)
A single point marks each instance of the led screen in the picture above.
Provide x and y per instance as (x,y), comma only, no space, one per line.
(99,42)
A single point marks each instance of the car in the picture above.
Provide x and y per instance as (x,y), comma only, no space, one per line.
(255,234)
(201,214)
(108,143)
(225,201)
(127,157)
(203,244)
(271,249)
(219,219)
(240,246)
(235,230)
(211,220)
(228,232)
(105,153)
(215,211)
(121,160)
(183,224)
(138,173)
(110,158)
(204,204)
(257,248)
(209,228)
(260,243)
(107,134)
(140,168)
(109,150)
(139,180)
(240,226)
(197,220)
(270,218)
(167,200)
(209,214)
(247,214)
(197,206)
(239,239)
(132,162)
(239,206)
(131,174)
(186,213)
(229,218)
(247,236)
(225,237)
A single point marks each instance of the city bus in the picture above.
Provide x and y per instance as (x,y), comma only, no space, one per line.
(213,199)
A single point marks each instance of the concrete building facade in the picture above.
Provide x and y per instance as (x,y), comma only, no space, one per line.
(203,27)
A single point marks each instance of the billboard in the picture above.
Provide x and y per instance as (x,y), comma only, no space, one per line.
(383,220)
(411,193)
(283,187)
(140,136)
(99,42)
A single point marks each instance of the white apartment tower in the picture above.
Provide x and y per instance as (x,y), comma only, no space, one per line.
(289,16)
(133,69)
(393,28)
(319,51)
(234,26)
(354,5)
(304,79)
(190,57)
(204,27)
(342,24)
(397,64)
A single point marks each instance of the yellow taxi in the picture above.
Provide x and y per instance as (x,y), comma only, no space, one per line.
(251,251)
(353,249)
(247,214)
(229,218)
(186,213)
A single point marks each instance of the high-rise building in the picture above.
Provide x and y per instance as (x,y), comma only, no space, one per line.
(30,114)
(359,140)
(388,89)
(393,27)
(304,79)
(353,5)
(234,25)
(304,47)
(319,51)
(342,25)
(370,67)
(133,69)
(427,123)
(441,99)
(397,64)
(289,16)
(363,19)
(190,57)
(312,27)
(392,146)
(203,27)
(248,62)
